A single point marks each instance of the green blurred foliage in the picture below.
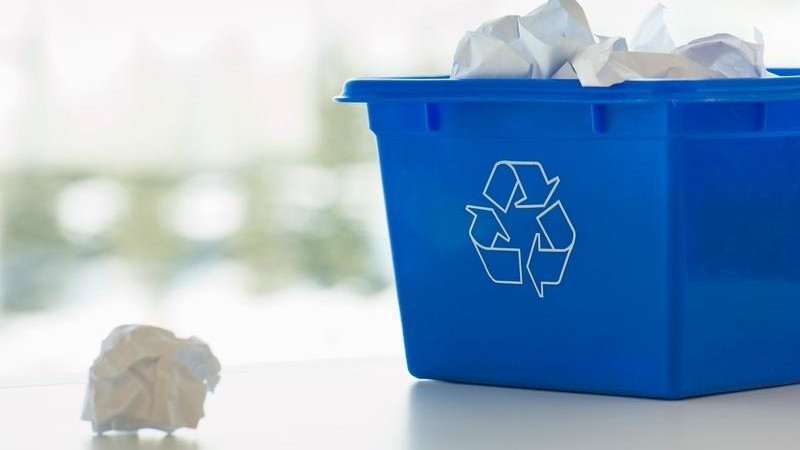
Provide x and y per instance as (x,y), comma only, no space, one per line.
(330,248)
(34,252)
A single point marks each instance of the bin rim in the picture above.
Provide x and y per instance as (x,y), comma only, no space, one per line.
(441,88)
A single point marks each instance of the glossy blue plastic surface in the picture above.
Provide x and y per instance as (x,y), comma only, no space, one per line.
(640,240)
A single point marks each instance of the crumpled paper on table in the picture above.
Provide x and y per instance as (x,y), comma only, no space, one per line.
(145,377)
(555,41)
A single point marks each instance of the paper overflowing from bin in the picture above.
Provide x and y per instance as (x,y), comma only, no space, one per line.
(652,34)
(145,377)
(555,41)
(609,62)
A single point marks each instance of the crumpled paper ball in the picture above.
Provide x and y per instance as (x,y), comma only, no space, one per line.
(555,41)
(145,377)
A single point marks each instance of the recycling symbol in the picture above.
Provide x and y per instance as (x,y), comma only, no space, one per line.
(524,232)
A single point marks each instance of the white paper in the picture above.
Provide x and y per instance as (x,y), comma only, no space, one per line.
(145,377)
(613,43)
(533,46)
(652,35)
(555,41)
(728,55)
(505,28)
(553,33)
(566,72)
(492,51)
(609,62)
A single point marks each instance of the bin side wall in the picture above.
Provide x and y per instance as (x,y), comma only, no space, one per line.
(605,327)
(739,271)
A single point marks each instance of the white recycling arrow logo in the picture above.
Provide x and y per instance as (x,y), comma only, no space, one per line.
(516,190)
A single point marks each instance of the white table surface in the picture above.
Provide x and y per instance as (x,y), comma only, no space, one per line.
(374,404)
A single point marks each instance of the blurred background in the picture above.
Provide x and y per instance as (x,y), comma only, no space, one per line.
(181,163)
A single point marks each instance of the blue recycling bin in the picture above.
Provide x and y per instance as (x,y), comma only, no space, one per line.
(641,240)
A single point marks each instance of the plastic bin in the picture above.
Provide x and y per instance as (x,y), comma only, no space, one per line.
(639,240)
